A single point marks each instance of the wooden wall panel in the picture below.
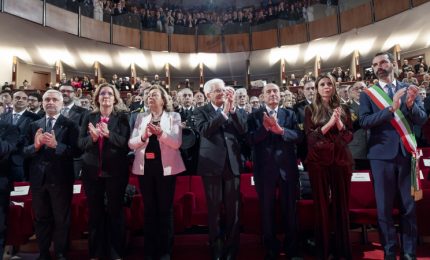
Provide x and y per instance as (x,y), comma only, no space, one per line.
(294,34)
(126,36)
(95,29)
(236,42)
(183,43)
(356,17)
(30,9)
(323,27)
(264,39)
(209,43)
(61,19)
(387,8)
(419,2)
(154,41)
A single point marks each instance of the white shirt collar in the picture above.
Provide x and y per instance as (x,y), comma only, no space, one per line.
(269,109)
(383,84)
(215,107)
(19,113)
(70,106)
(55,117)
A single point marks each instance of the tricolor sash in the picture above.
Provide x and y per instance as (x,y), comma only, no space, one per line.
(399,122)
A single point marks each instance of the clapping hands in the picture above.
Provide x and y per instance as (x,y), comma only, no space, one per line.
(271,124)
(100,130)
(45,138)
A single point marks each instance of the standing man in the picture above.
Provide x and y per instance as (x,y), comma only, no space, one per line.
(8,142)
(390,157)
(52,147)
(273,133)
(76,114)
(21,118)
(219,126)
(358,145)
(186,109)
(35,104)
(299,108)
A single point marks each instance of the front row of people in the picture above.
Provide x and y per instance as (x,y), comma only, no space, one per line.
(272,132)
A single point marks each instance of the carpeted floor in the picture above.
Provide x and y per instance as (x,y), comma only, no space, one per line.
(194,247)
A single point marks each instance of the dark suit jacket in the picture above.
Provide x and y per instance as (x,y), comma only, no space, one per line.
(114,154)
(9,136)
(41,113)
(358,145)
(218,140)
(23,125)
(77,114)
(302,148)
(49,165)
(384,140)
(270,148)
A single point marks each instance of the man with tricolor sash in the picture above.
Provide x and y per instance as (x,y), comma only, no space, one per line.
(389,110)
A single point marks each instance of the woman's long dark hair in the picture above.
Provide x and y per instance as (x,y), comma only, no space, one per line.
(320,113)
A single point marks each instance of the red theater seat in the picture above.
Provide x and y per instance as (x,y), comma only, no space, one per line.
(199,215)
(251,219)
(20,221)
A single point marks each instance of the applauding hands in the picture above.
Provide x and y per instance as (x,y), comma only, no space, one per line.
(100,130)
(44,138)
(271,124)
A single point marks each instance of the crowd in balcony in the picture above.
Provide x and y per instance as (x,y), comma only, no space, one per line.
(170,15)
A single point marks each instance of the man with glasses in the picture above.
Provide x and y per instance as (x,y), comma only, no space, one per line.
(52,147)
(74,113)
(35,104)
(255,103)
(21,118)
(220,126)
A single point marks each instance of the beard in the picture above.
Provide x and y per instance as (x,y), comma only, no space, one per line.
(381,73)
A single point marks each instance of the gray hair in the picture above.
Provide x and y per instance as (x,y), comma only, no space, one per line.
(241,91)
(269,84)
(207,88)
(58,93)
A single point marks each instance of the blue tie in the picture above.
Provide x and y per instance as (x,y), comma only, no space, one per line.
(390,91)
(49,125)
(219,110)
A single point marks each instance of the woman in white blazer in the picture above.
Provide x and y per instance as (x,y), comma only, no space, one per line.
(156,139)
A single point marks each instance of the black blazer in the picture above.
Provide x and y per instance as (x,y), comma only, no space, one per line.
(8,140)
(23,125)
(49,165)
(218,139)
(77,114)
(115,149)
(270,148)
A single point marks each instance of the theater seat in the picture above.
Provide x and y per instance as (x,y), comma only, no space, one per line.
(251,219)
(199,209)
(19,219)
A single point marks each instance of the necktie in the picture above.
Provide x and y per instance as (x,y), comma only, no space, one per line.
(272,112)
(49,124)
(65,111)
(9,109)
(15,118)
(219,110)
(390,90)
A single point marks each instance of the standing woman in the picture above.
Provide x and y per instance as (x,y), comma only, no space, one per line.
(103,138)
(328,130)
(156,139)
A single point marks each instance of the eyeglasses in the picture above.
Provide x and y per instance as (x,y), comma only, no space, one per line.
(32,100)
(106,94)
(67,91)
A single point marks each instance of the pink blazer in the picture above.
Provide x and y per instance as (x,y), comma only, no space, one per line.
(170,141)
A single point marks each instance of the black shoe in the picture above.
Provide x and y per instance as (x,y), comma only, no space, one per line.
(217,249)
(60,257)
(408,257)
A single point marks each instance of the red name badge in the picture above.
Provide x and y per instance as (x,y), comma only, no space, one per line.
(150,156)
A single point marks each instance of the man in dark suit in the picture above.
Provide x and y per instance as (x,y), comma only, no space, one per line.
(35,104)
(358,145)
(273,133)
(299,109)
(74,113)
(52,145)
(21,118)
(219,126)
(9,135)
(390,159)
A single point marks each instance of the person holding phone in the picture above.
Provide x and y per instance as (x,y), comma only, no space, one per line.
(156,139)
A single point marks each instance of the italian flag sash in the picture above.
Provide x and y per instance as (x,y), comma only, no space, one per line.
(399,122)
